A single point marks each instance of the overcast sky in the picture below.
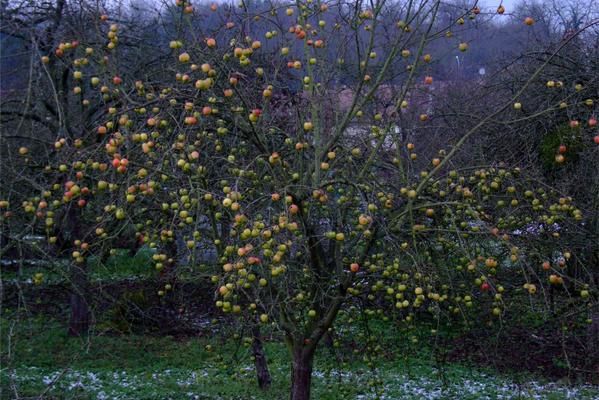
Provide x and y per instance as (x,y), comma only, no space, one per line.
(508,4)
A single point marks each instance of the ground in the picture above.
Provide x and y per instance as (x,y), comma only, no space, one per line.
(45,361)
(199,355)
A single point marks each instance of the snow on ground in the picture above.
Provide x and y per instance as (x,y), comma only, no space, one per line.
(123,385)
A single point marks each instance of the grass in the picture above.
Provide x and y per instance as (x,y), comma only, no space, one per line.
(119,266)
(44,360)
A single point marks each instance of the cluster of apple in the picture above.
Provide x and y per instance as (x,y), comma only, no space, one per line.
(296,219)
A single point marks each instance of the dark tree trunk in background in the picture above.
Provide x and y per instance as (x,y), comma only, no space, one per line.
(301,372)
(262,372)
(593,355)
(79,320)
(80,315)
(328,339)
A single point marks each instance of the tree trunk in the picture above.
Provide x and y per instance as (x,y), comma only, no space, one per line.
(328,339)
(593,352)
(262,372)
(80,318)
(301,372)
(80,315)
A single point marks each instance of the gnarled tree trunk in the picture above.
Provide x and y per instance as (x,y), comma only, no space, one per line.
(262,372)
(301,372)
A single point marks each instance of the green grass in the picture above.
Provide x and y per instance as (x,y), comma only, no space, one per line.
(148,367)
(121,265)
(117,267)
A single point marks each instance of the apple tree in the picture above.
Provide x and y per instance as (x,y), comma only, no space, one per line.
(293,156)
